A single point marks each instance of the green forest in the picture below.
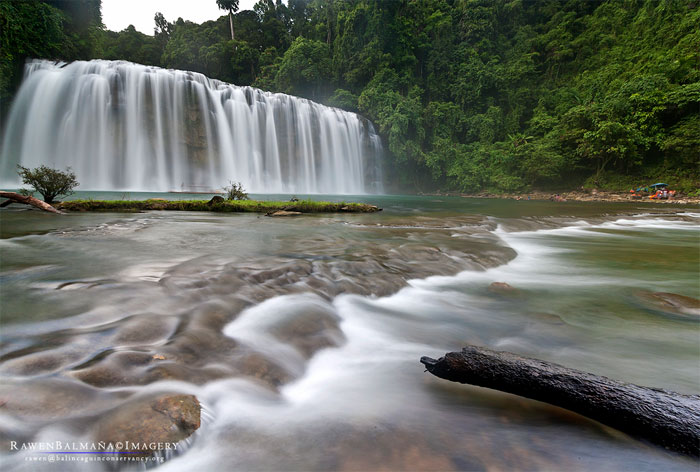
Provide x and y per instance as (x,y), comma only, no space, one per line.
(468,95)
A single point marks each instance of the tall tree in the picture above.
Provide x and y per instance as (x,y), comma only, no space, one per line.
(163,28)
(231,6)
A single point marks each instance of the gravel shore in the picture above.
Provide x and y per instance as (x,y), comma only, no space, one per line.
(592,196)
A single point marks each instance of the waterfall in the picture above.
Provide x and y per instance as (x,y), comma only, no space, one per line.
(125,126)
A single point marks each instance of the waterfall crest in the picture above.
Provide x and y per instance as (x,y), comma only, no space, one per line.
(125,126)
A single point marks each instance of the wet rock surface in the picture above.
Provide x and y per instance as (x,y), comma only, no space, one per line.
(672,303)
(50,399)
(283,213)
(152,424)
(378,446)
(502,288)
(183,339)
(310,331)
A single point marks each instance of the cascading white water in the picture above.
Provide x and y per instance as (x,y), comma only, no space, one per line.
(125,126)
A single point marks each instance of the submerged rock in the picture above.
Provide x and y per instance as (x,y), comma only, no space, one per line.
(502,288)
(310,330)
(158,423)
(394,449)
(266,370)
(672,302)
(50,399)
(283,213)
(145,329)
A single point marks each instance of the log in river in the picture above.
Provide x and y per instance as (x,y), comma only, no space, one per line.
(669,419)
(27,200)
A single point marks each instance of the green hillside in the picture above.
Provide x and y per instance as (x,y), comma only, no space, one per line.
(468,95)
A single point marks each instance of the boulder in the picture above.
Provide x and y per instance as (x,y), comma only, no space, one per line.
(216,200)
(150,425)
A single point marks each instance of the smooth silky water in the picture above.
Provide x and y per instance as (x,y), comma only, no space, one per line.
(121,125)
(301,336)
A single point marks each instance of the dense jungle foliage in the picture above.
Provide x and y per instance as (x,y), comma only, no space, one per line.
(469,95)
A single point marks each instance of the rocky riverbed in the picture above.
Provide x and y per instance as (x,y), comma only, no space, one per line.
(304,333)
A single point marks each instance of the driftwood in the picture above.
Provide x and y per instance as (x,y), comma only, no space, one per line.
(27,200)
(669,419)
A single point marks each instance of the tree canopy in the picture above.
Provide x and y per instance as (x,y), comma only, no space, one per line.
(231,6)
(50,183)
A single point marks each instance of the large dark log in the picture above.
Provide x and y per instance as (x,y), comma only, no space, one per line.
(27,200)
(666,418)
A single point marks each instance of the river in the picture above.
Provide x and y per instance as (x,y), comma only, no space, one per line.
(301,337)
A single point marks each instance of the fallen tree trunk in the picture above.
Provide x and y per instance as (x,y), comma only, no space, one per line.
(27,200)
(666,418)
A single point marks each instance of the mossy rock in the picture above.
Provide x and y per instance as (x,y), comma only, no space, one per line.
(147,426)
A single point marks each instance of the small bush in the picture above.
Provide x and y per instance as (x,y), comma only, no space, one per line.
(235,191)
(50,183)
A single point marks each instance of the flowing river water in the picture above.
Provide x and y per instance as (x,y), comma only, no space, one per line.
(301,336)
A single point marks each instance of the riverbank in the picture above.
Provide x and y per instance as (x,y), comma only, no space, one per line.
(581,196)
(238,206)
